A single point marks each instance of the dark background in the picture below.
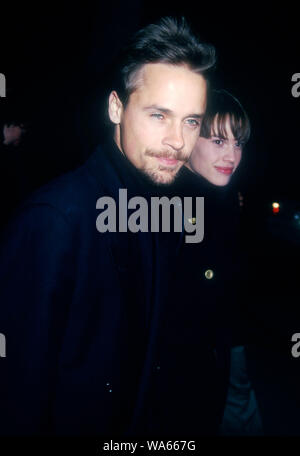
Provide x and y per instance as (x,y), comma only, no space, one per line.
(55,59)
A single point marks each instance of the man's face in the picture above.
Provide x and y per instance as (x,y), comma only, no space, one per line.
(216,158)
(160,124)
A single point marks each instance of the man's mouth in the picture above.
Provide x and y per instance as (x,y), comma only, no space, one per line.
(224,170)
(167,161)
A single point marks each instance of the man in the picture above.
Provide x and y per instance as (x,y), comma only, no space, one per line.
(81,309)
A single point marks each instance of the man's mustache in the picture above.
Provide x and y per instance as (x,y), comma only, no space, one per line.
(181,156)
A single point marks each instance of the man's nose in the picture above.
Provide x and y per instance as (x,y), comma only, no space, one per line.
(174,137)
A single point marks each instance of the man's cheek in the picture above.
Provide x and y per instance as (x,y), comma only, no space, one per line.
(190,144)
(195,135)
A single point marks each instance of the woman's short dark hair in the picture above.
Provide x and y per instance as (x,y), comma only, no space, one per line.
(221,107)
(169,41)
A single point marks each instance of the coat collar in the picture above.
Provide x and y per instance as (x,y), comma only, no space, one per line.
(112,171)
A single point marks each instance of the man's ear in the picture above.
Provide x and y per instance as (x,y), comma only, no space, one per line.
(115,108)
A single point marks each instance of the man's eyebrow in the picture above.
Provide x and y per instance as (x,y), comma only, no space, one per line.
(197,116)
(170,112)
(158,108)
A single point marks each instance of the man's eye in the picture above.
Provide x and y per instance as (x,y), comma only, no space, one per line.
(157,115)
(193,122)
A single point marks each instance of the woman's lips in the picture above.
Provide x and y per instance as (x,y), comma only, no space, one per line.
(224,170)
(167,161)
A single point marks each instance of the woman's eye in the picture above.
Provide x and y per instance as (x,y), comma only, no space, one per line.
(239,144)
(219,142)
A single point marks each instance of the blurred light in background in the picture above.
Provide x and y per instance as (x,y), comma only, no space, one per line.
(275,207)
(297,219)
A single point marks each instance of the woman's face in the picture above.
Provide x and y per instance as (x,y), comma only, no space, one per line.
(216,158)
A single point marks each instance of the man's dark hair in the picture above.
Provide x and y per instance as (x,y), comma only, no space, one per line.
(169,41)
(223,106)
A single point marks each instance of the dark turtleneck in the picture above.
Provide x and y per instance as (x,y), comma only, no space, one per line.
(136,182)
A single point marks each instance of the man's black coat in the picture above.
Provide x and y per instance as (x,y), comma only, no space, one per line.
(90,347)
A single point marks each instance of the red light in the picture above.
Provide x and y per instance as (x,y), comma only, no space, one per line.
(275,208)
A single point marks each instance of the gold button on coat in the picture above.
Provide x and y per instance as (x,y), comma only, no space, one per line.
(209,274)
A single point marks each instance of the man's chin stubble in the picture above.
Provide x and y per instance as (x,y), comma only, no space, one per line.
(162,177)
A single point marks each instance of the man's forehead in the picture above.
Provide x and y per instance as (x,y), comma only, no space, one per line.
(162,73)
(170,87)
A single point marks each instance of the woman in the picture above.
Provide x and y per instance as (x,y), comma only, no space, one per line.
(213,267)
(224,132)
(216,157)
